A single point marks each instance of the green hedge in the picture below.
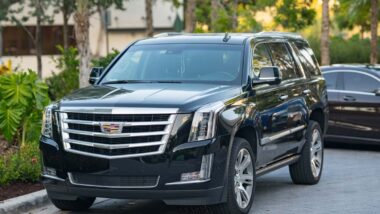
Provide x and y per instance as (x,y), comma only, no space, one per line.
(344,51)
(22,166)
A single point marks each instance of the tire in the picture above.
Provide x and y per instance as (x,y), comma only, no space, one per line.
(308,169)
(80,204)
(240,147)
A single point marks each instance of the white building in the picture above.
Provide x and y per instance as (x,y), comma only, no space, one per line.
(124,27)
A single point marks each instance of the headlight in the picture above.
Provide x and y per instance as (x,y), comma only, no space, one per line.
(47,122)
(203,126)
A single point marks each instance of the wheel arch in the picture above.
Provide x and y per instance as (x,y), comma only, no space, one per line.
(318,115)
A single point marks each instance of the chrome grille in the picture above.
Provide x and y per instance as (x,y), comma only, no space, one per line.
(116,133)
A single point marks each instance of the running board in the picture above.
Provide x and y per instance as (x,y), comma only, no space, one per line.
(277,165)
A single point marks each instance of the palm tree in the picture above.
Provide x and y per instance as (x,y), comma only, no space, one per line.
(325,40)
(82,25)
(374,22)
(149,18)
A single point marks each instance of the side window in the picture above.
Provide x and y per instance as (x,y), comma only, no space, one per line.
(260,58)
(307,58)
(359,82)
(331,79)
(283,59)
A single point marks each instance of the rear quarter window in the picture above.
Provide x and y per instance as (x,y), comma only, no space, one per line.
(307,58)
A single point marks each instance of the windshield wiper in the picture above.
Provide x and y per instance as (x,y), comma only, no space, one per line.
(166,81)
(125,81)
(140,81)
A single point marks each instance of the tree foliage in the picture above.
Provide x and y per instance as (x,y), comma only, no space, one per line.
(294,15)
(351,13)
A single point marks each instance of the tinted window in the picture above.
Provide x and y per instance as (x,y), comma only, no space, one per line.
(360,82)
(261,58)
(307,58)
(283,59)
(331,80)
(179,62)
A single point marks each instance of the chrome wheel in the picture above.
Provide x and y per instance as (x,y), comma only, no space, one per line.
(243,178)
(316,153)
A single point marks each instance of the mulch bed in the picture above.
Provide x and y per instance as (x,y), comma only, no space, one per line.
(17,189)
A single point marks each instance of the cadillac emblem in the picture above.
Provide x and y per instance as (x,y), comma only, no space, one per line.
(111,128)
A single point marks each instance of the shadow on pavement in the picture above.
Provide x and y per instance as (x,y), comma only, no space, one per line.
(349,146)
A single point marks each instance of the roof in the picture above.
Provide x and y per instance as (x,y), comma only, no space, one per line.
(371,69)
(228,38)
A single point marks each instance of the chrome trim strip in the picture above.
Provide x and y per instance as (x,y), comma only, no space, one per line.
(119,110)
(52,177)
(116,135)
(351,71)
(282,134)
(158,152)
(114,146)
(112,187)
(97,123)
(276,165)
(352,92)
(187,182)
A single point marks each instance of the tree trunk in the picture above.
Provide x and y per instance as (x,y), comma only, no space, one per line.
(1,42)
(190,16)
(81,26)
(149,18)
(65,29)
(374,20)
(325,40)
(102,28)
(234,15)
(38,38)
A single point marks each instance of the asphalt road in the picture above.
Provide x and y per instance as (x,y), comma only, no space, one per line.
(350,184)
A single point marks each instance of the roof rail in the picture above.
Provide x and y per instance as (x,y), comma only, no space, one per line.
(166,34)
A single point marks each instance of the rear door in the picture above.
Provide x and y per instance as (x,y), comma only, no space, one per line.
(360,107)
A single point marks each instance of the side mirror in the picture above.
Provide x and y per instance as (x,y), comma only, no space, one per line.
(377,92)
(269,75)
(95,74)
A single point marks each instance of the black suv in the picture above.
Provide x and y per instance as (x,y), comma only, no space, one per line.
(190,119)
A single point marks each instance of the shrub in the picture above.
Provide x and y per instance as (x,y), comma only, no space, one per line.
(23,97)
(24,165)
(106,60)
(67,80)
(352,50)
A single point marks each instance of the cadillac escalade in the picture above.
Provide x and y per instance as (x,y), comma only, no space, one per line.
(189,119)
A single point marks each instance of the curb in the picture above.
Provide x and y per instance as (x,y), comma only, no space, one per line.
(24,203)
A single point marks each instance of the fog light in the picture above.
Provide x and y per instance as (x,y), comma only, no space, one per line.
(49,171)
(203,174)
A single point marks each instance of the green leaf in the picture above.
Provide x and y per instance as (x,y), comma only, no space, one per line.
(16,88)
(10,119)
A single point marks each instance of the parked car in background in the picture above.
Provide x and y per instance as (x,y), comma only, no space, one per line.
(354,102)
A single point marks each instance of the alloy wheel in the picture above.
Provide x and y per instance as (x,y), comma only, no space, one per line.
(243,178)
(316,153)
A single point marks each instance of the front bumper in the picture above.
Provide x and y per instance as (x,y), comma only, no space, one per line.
(168,166)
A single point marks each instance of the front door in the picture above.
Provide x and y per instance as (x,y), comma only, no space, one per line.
(360,107)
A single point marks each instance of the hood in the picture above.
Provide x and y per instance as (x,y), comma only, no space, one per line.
(187,97)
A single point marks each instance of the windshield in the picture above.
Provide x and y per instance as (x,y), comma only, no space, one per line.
(212,63)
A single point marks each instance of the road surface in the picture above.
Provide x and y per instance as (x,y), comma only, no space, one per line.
(350,184)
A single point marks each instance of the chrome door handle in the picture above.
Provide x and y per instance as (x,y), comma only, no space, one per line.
(283,97)
(306,91)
